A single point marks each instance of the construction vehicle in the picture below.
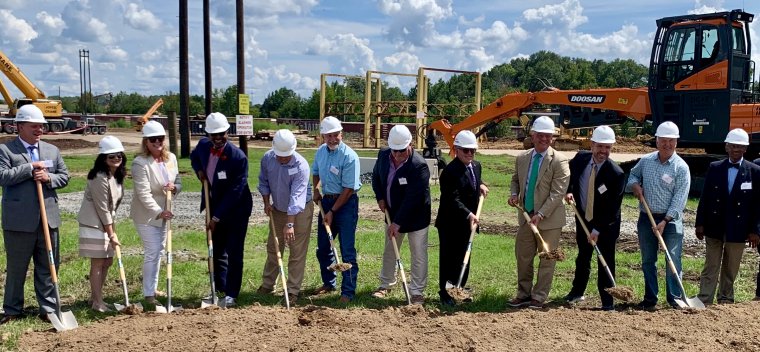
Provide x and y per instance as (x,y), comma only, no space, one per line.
(51,109)
(146,117)
(700,77)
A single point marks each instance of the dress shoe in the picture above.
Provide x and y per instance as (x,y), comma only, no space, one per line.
(535,304)
(229,302)
(9,318)
(43,317)
(647,306)
(418,299)
(264,291)
(323,290)
(519,302)
(448,302)
(344,299)
(573,299)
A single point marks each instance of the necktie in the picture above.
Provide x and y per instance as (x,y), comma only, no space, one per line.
(471,173)
(735,166)
(590,194)
(532,182)
(32,154)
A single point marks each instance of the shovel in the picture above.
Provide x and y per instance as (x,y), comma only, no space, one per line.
(620,292)
(127,308)
(213,301)
(279,262)
(398,261)
(545,253)
(456,291)
(337,266)
(169,308)
(61,321)
(686,302)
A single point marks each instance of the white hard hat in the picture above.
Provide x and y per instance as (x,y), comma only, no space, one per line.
(543,124)
(466,139)
(153,129)
(284,143)
(667,129)
(110,144)
(737,136)
(399,137)
(216,122)
(330,124)
(603,134)
(30,113)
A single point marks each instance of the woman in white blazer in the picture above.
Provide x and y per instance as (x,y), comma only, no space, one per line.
(154,172)
(97,227)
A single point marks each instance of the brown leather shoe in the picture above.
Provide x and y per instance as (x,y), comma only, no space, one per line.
(264,291)
(344,299)
(418,299)
(534,304)
(9,318)
(323,290)
(43,317)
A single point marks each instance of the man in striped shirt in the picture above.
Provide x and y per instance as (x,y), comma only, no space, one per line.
(662,178)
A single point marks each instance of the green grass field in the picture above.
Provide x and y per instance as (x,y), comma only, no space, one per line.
(492,275)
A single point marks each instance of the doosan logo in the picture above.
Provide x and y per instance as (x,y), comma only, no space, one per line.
(590,99)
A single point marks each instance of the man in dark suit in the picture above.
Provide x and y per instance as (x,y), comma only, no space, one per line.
(401,182)
(461,187)
(225,167)
(596,185)
(24,161)
(727,218)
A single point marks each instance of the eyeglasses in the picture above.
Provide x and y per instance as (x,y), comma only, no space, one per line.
(468,150)
(156,139)
(114,156)
(399,151)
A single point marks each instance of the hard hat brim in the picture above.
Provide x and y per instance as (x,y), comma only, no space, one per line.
(332,130)
(284,153)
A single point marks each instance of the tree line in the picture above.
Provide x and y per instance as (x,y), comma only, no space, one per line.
(532,73)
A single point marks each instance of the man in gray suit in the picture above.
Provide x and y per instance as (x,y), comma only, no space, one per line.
(23,161)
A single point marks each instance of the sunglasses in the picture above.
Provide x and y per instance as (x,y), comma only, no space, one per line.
(399,151)
(468,150)
(114,156)
(156,139)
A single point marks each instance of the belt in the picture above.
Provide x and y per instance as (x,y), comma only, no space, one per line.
(657,215)
(331,196)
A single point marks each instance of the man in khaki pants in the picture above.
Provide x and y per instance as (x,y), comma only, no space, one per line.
(284,178)
(538,185)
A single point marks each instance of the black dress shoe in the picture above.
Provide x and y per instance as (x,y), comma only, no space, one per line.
(44,317)
(448,302)
(9,318)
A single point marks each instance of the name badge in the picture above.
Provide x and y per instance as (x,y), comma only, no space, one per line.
(746,186)
(402,180)
(292,171)
(602,189)
(222,175)
(334,170)
(667,179)
(48,163)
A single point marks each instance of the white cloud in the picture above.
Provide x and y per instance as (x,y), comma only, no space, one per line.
(62,73)
(475,21)
(348,54)
(11,4)
(413,21)
(569,13)
(49,24)
(141,19)
(113,53)
(402,62)
(83,25)
(16,32)
(625,42)
(145,71)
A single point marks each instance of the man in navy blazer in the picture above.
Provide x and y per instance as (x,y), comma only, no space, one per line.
(599,206)
(727,217)
(401,182)
(225,167)
(23,161)
(461,186)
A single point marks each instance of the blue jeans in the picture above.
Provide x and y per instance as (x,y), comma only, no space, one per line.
(344,228)
(649,247)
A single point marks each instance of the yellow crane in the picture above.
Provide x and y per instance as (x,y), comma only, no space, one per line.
(144,118)
(32,94)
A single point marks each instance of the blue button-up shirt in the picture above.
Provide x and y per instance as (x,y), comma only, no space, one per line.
(666,185)
(337,169)
(732,172)
(287,184)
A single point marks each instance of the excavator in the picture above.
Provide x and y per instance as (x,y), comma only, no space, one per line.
(700,77)
(145,117)
(32,94)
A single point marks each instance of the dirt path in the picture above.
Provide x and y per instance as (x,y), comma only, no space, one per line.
(311,328)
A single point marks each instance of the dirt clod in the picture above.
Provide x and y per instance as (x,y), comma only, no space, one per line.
(458,293)
(340,267)
(132,310)
(621,292)
(554,254)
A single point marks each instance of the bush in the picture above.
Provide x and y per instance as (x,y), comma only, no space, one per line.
(121,123)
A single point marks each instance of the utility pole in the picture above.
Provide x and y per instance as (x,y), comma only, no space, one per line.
(184,83)
(207,54)
(240,23)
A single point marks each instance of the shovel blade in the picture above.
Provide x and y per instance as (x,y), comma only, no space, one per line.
(174,309)
(119,307)
(692,302)
(67,321)
(449,285)
(161,309)
(207,303)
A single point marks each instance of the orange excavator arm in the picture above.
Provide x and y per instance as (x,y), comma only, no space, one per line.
(144,118)
(628,102)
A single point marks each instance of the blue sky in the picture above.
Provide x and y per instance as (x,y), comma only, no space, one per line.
(133,44)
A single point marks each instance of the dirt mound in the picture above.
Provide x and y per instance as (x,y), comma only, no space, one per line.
(62,144)
(312,328)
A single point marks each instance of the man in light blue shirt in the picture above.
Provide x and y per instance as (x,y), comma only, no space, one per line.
(662,178)
(284,178)
(336,170)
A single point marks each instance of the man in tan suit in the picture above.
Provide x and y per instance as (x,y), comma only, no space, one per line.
(539,184)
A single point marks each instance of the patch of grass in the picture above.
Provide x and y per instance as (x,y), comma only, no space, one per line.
(119,124)
(492,275)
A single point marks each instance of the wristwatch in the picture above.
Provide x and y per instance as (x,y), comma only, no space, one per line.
(289,225)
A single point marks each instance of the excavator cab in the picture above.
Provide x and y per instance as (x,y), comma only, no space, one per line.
(700,66)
